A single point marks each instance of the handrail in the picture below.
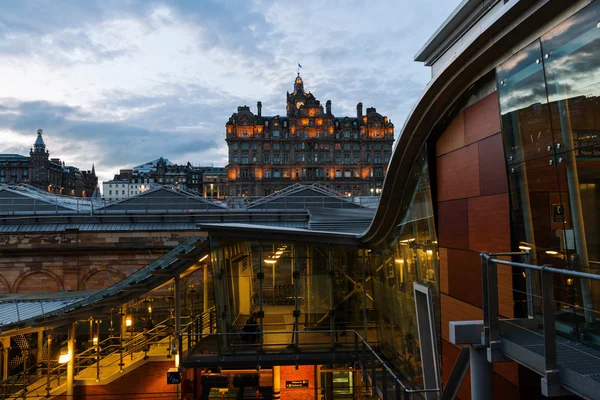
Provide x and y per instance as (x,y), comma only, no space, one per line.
(400,386)
(566,272)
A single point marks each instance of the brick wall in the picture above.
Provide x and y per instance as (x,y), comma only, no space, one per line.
(148,381)
(50,262)
(304,372)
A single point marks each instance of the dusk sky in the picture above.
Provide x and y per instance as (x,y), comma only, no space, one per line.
(121,82)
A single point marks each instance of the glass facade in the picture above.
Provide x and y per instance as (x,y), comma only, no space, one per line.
(550,110)
(266,291)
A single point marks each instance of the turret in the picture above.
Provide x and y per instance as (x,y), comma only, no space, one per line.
(259,107)
(328,107)
(359,111)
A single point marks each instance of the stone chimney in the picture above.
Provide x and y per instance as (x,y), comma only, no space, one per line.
(259,107)
(328,107)
(359,113)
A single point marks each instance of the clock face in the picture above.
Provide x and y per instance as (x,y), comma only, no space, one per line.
(299,104)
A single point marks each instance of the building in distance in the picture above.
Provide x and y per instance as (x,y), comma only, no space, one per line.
(50,174)
(309,145)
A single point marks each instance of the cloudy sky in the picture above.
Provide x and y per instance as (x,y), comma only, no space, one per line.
(120,82)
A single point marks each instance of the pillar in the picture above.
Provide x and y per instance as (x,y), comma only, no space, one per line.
(482,374)
(276,382)
(177,305)
(205,289)
(40,350)
(71,363)
(5,352)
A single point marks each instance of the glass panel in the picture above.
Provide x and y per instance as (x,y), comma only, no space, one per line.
(525,119)
(572,65)
(412,257)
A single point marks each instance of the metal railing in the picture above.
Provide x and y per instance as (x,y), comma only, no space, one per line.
(138,345)
(383,381)
(542,307)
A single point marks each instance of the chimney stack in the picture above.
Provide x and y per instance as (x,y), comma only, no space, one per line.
(359,113)
(259,106)
(328,107)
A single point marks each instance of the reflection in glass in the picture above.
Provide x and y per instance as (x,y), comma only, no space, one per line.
(411,257)
(549,101)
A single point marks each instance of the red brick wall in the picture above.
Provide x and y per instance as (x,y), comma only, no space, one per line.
(37,262)
(304,372)
(148,381)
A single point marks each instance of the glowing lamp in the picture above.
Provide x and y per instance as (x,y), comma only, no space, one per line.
(128,322)
(64,358)
(95,340)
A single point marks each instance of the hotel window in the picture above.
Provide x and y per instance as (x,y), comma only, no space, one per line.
(235,159)
(316,157)
(347,173)
(338,173)
(253,146)
(346,134)
(286,146)
(338,146)
(356,146)
(286,173)
(327,157)
(276,158)
(275,146)
(235,145)
(377,158)
(377,146)
(338,158)
(286,158)
(275,133)
(267,173)
(303,157)
(347,158)
(244,132)
(244,159)
(346,146)
(267,157)
(276,173)
(267,146)
(245,146)
(357,173)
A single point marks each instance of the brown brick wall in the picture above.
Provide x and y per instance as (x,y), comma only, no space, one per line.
(148,381)
(43,262)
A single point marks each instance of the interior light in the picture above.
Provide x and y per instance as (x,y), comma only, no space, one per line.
(65,358)
(149,309)
(128,321)
(177,360)
(430,252)
(95,340)
(551,252)
(270,261)
(399,261)
(203,258)
(524,248)
(279,252)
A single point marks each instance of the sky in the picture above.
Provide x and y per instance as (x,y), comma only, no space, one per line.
(116,83)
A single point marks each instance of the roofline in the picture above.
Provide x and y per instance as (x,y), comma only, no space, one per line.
(454,27)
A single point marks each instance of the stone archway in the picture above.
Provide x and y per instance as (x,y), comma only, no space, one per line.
(100,278)
(38,282)
(4,286)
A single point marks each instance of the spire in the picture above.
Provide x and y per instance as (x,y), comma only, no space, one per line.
(298,85)
(39,146)
(93,169)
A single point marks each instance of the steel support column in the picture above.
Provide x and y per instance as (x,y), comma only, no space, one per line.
(205,288)
(482,374)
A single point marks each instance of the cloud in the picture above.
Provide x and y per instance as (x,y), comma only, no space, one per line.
(122,82)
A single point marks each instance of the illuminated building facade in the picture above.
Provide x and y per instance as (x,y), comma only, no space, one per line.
(309,145)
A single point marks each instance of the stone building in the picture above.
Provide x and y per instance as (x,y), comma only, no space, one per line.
(47,173)
(309,145)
